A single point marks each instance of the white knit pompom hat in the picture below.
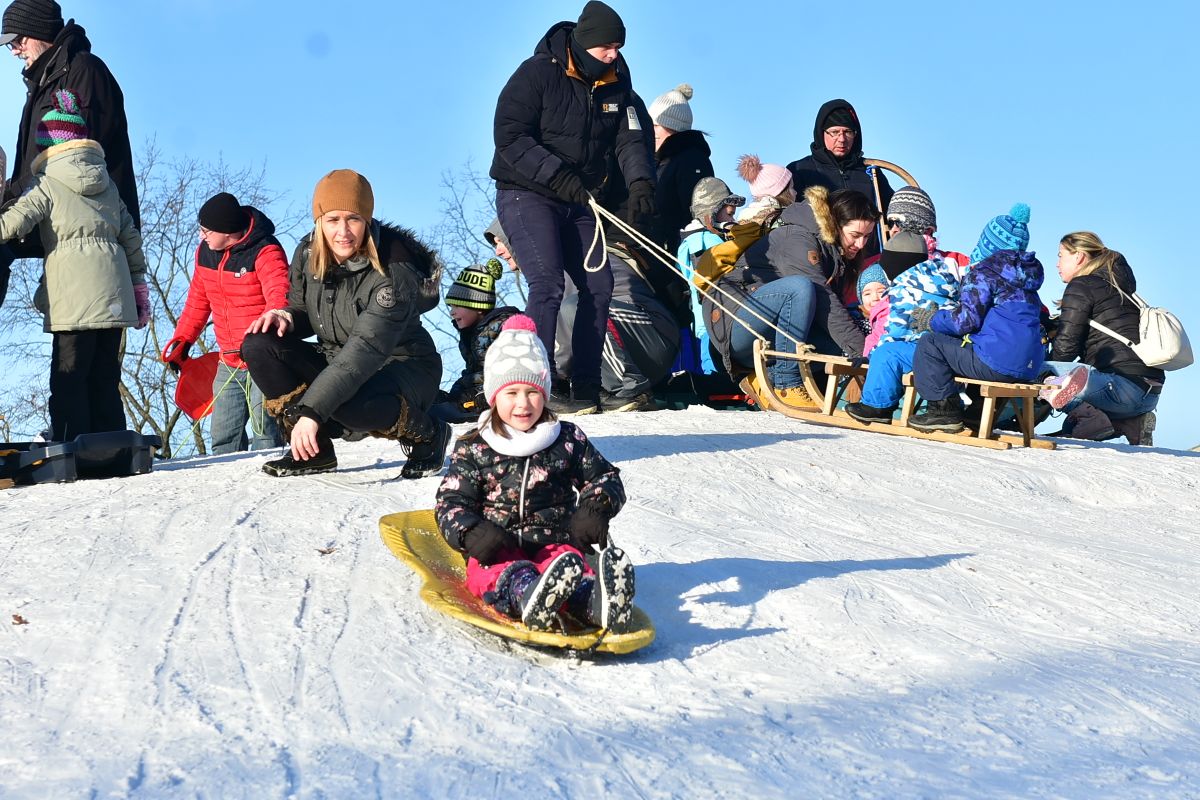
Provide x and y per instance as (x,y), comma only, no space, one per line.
(672,110)
(517,356)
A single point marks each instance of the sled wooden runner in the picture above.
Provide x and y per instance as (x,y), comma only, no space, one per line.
(841,370)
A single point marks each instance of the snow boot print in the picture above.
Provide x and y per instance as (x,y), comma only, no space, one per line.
(541,601)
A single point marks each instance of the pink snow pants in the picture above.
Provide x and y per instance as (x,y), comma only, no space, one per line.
(482,579)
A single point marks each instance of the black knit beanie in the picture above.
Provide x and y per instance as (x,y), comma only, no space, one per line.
(37,19)
(223,213)
(599,25)
(841,117)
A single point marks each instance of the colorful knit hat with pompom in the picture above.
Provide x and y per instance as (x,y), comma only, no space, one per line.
(475,287)
(766,180)
(63,123)
(1006,232)
(517,356)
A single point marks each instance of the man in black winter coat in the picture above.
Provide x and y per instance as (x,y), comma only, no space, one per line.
(836,161)
(58,56)
(562,119)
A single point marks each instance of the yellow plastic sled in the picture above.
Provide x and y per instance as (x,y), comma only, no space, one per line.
(414,538)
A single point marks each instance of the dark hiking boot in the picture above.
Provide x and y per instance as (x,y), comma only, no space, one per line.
(324,461)
(1085,421)
(1137,430)
(1061,390)
(611,605)
(867,414)
(940,415)
(426,458)
(573,406)
(542,599)
(612,403)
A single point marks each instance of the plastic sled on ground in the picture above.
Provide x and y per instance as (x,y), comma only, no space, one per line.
(414,538)
(839,372)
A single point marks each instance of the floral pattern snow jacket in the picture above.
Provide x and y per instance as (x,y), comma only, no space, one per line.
(531,497)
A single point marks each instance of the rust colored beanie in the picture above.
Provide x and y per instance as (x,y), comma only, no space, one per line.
(343,190)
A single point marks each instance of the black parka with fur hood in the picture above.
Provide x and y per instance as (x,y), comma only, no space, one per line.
(368,323)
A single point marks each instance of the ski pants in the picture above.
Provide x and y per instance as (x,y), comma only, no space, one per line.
(85,381)
(940,357)
(482,580)
(640,345)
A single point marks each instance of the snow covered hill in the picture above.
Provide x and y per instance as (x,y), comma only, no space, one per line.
(839,614)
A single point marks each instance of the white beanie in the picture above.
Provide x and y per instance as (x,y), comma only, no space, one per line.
(517,356)
(671,109)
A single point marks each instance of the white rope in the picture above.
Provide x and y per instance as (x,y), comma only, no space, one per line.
(679,269)
(598,237)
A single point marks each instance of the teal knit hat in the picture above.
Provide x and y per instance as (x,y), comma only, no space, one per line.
(63,123)
(1006,232)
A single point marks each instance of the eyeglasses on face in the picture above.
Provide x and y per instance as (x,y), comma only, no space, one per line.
(840,133)
(15,43)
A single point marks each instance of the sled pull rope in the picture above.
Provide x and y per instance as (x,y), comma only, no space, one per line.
(671,263)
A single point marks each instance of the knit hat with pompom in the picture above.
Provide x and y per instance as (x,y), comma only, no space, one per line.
(766,180)
(63,123)
(672,110)
(517,356)
(475,286)
(1006,232)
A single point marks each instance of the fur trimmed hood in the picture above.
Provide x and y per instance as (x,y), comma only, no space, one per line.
(817,198)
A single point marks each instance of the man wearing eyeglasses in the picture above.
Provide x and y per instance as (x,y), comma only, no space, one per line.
(836,161)
(58,56)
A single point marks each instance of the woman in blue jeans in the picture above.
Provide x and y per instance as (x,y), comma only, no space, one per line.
(794,278)
(1109,380)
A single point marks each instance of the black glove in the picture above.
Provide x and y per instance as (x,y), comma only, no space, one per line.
(859,361)
(918,320)
(641,201)
(589,526)
(568,186)
(484,541)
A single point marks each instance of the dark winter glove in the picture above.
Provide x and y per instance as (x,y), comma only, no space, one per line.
(641,201)
(175,353)
(567,184)
(859,361)
(484,541)
(589,526)
(918,320)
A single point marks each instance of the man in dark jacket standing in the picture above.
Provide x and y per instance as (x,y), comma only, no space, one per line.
(59,56)
(836,161)
(560,117)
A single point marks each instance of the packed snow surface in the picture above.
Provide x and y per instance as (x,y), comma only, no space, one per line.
(839,614)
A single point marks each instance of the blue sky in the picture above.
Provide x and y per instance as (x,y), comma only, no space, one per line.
(1082,110)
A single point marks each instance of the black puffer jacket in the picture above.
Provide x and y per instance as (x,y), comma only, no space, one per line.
(548,119)
(531,497)
(848,172)
(69,64)
(365,322)
(682,160)
(1093,296)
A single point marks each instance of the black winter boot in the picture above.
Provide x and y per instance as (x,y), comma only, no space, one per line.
(542,600)
(324,461)
(424,440)
(940,415)
(611,604)
(865,413)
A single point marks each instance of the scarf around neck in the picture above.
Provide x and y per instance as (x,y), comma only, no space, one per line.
(520,443)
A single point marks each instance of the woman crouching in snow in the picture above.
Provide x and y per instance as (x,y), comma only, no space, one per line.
(360,287)
(526,496)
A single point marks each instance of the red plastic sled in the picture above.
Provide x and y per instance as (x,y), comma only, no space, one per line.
(194,391)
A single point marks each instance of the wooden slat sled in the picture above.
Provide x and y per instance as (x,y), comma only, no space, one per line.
(839,372)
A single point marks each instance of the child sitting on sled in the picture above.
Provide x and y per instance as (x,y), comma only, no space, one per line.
(472,303)
(526,498)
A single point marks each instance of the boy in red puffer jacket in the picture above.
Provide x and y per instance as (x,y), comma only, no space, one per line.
(241,271)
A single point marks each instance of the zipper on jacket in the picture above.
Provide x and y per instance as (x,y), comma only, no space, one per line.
(521,502)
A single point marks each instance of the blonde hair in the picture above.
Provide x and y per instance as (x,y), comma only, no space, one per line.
(1099,257)
(321,258)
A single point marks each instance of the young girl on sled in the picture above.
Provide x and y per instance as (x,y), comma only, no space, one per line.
(527,497)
